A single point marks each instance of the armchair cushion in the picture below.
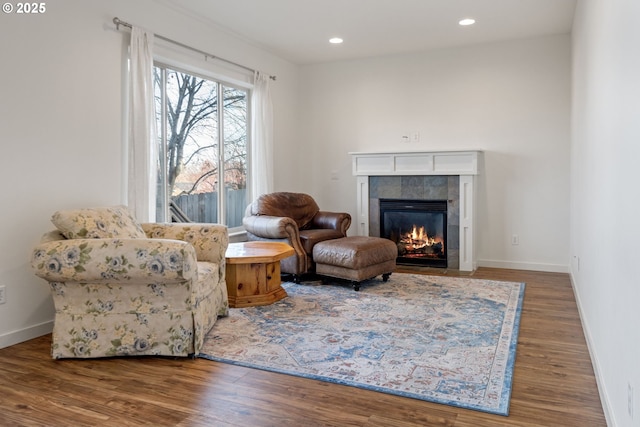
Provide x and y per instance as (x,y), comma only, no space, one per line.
(309,238)
(297,206)
(97,223)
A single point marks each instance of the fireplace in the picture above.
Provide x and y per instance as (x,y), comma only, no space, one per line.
(418,228)
(422,175)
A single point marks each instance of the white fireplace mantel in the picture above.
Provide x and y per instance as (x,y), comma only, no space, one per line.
(465,164)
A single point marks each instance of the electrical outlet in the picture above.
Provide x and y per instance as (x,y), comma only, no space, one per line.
(3,294)
(515,240)
(630,400)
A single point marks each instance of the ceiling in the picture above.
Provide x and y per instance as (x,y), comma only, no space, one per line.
(299,30)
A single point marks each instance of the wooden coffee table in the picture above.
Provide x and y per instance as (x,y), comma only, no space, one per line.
(253,272)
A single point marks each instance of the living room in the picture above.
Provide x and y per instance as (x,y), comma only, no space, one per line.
(552,113)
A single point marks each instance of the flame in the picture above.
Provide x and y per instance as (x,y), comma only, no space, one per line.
(417,238)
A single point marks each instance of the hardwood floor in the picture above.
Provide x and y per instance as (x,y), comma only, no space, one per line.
(553,384)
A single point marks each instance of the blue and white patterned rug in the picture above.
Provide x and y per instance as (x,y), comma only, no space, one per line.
(447,340)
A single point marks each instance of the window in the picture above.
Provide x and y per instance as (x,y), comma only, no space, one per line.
(202,137)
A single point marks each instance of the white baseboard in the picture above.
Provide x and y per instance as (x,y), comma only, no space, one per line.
(551,268)
(25,334)
(604,397)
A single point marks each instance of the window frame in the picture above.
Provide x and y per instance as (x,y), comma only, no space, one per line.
(221,82)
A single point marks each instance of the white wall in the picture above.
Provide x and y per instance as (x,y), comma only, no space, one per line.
(510,100)
(605,199)
(61,119)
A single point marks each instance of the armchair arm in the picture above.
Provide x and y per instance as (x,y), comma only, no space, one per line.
(209,240)
(115,260)
(284,229)
(334,220)
(272,227)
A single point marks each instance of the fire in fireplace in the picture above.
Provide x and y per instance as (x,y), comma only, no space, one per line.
(419,229)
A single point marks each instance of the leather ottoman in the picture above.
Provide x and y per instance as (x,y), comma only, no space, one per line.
(355,258)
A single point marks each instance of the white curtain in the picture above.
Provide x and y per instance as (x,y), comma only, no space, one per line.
(142,141)
(262,136)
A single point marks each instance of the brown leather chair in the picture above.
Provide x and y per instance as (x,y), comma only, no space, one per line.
(296,219)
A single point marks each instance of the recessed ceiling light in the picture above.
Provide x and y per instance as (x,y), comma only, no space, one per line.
(335,40)
(467,21)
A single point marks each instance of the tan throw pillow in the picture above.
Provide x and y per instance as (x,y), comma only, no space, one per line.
(98,223)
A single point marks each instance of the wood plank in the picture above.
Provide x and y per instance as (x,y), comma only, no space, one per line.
(554,383)
(255,252)
(254,284)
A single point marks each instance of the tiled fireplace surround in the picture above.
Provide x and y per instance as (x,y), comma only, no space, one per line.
(447,176)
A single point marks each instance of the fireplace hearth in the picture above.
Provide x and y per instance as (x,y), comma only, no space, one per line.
(418,228)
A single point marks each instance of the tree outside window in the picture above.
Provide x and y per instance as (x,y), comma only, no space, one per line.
(202,127)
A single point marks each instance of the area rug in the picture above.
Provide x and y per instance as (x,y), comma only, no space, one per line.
(447,340)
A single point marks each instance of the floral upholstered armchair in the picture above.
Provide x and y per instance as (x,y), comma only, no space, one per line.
(125,289)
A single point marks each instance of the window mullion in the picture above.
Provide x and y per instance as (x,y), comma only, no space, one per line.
(164,187)
(222,215)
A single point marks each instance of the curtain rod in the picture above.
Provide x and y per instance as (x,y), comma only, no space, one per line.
(117,21)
